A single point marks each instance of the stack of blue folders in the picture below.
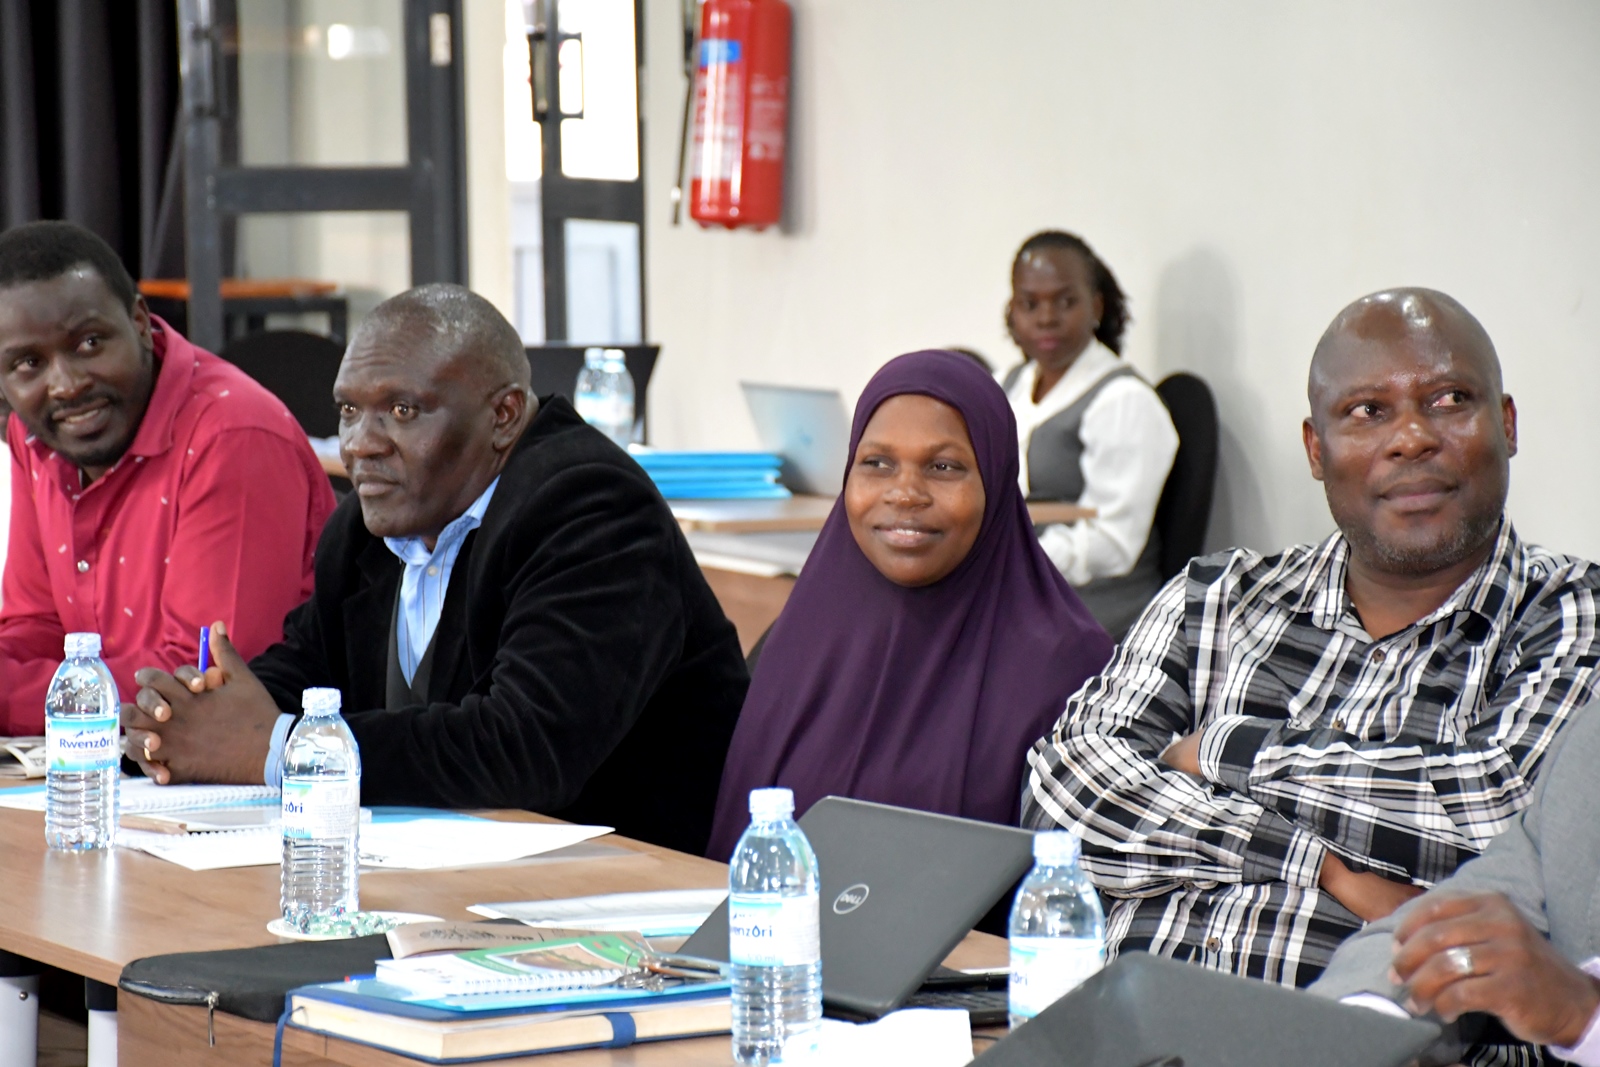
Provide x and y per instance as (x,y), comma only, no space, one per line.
(714,475)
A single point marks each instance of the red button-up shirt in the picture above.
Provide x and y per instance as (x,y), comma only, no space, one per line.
(212,513)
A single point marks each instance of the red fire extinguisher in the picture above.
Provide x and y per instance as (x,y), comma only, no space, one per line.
(741,111)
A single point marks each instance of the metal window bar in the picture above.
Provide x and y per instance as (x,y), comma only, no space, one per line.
(430,188)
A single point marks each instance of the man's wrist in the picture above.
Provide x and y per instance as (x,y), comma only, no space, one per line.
(1580,1033)
(1328,878)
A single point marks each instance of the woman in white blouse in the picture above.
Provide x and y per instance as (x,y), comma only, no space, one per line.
(1092,431)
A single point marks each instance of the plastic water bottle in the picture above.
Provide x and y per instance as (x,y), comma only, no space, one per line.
(604,397)
(321,817)
(1058,931)
(82,727)
(774,942)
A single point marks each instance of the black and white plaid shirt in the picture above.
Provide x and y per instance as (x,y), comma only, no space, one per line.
(1403,756)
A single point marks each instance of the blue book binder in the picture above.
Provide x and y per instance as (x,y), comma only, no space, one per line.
(371,1013)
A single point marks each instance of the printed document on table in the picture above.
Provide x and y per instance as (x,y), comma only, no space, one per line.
(663,913)
(22,757)
(403,842)
(259,847)
(430,842)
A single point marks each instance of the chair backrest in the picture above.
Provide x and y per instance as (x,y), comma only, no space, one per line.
(555,370)
(298,368)
(1185,507)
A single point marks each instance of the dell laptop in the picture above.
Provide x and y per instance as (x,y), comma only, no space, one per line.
(1149,1011)
(900,889)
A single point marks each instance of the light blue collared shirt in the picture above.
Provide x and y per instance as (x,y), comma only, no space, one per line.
(422,592)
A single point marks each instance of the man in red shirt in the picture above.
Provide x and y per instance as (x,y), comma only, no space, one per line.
(154,486)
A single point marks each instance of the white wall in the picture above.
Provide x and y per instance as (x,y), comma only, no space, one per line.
(483,46)
(1246,167)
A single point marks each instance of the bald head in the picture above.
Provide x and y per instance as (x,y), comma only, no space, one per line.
(442,323)
(1411,316)
(1410,432)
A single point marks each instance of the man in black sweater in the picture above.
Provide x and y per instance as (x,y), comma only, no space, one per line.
(505,601)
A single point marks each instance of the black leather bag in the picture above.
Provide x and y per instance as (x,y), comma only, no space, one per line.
(250,982)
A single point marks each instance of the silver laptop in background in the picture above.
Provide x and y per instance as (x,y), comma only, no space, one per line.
(809,428)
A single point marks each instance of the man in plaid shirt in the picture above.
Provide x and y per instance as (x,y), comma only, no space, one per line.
(1285,747)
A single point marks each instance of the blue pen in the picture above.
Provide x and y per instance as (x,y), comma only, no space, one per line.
(205,648)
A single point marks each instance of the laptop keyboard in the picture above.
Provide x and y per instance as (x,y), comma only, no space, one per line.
(987,1007)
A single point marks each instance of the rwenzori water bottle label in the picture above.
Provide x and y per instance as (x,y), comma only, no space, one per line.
(1045,969)
(78,746)
(315,810)
(768,932)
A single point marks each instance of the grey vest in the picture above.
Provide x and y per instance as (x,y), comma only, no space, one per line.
(1055,472)
(399,693)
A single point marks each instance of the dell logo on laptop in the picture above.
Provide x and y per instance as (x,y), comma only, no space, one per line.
(850,899)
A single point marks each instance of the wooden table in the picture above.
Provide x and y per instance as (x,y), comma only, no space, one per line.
(793,514)
(177,1037)
(93,914)
(1046,512)
(751,602)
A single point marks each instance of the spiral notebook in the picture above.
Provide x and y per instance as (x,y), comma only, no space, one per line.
(533,967)
(141,795)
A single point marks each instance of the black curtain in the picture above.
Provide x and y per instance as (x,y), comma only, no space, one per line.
(89,97)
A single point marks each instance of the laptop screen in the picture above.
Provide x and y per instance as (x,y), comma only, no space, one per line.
(900,889)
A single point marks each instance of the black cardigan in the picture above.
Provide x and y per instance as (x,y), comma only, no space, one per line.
(582,666)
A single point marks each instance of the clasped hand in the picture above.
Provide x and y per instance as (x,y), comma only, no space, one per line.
(1515,973)
(192,727)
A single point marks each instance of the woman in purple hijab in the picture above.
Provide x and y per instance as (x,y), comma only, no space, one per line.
(929,641)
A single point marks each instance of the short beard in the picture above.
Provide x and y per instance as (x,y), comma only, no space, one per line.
(1459,543)
(105,458)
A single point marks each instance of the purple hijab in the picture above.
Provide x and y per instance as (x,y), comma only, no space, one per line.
(925,698)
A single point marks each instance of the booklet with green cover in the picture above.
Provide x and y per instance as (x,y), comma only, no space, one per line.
(534,966)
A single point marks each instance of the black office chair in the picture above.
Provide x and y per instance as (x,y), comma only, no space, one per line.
(555,370)
(298,368)
(1185,508)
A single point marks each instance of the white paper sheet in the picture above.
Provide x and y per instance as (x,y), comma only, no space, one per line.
(404,843)
(209,852)
(428,843)
(929,1037)
(663,913)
